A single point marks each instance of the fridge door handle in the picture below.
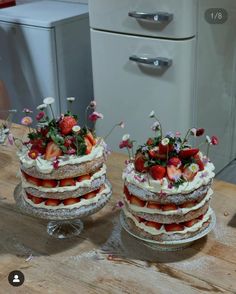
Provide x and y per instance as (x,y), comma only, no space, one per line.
(157,62)
(156,17)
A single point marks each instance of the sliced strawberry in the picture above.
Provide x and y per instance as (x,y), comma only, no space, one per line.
(35,181)
(71,201)
(188,152)
(66,124)
(139,219)
(90,195)
(175,161)
(49,183)
(136,201)
(188,204)
(52,150)
(150,142)
(188,175)
(139,163)
(153,205)
(52,202)
(37,200)
(67,182)
(29,196)
(153,225)
(191,222)
(173,173)
(83,178)
(174,227)
(88,144)
(154,153)
(157,172)
(199,162)
(127,193)
(168,207)
(91,138)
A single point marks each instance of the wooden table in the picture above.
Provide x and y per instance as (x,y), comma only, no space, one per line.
(105,259)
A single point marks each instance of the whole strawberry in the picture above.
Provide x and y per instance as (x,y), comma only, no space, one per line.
(139,163)
(157,172)
(66,124)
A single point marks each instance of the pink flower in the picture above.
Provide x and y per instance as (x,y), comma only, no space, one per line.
(26,110)
(95,115)
(214,140)
(126,144)
(33,154)
(71,151)
(93,104)
(55,164)
(200,132)
(26,121)
(40,115)
(10,139)
(177,134)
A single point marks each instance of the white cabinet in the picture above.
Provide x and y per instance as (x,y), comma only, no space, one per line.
(196,89)
(45,51)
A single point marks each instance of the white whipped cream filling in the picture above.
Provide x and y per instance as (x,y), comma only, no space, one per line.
(146,182)
(170,212)
(83,184)
(162,230)
(83,202)
(46,166)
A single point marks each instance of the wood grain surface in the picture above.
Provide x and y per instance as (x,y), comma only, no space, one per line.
(104,258)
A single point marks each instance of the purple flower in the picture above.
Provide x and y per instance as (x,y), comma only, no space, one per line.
(55,164)
(170,185)
(95,116)
(144,149)
(177,147)
(139,179)
(177,134)
(70,151)
(203,175)
(170,135)
(176,178)
(10,139)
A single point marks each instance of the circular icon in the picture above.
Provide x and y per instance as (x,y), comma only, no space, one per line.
(16,278)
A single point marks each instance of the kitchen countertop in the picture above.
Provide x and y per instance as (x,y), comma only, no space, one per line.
(104,258)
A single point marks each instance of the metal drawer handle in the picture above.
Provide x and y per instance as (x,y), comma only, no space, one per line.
(158,62)
(158,17)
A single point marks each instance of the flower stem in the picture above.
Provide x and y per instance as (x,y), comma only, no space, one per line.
(111,130)
(185,138)
(159,125)
(208,148)
(128,153)
(52,111)
(86,115)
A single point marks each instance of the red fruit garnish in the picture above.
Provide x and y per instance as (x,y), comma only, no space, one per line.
(83,178)
(201,217)
(150,142)
(52,150)
(136,201)
(71,201)
(174,227)
(138,218)
(67,182)
(185,153)
(157,172)
(33,153)
(66,124)
(163,148)
(199,162)
(188,175)
(175,161)
(200,132)
(88,144)
(153,225)
(49,183)
(126,192)
(91,138)
(90,195)
(154,153)
(37,200)
(173,173)
(188,204)
(153,205)
(214,140)
(29,196)
(168,207)
(67,142)
(34,181)
(190,223)
(52,202)
(139,163)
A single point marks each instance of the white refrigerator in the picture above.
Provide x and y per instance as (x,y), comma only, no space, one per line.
(45,51)
(176,57)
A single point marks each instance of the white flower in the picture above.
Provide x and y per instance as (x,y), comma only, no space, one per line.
(76,129)
(194,132)
(165,141)
(208,139)
(41,106)
(48,100)
(70,99)
(194,168)
(122,124)
(155,126)
(152,114)
(126,137)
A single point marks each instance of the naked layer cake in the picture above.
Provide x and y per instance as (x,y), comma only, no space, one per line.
(62,164)
(167,186)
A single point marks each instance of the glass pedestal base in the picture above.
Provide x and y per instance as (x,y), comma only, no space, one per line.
(65,228)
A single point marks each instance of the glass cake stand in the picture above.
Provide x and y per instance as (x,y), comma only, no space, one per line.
(169,245)
(64,222)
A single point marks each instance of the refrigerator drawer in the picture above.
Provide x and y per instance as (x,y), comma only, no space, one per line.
(128,88)
(156,18)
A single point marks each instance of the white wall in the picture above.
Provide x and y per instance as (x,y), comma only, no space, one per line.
(27,1)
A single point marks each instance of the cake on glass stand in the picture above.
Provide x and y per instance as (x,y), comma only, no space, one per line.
(167,189)
(63,170)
